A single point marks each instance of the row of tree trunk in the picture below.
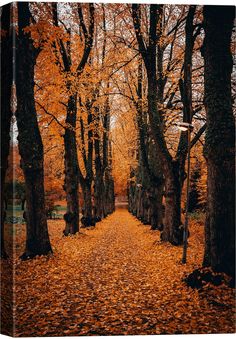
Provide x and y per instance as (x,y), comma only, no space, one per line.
(98,201)
(161,166)
(29,138)
(97,183)
(147,189)
(30,141)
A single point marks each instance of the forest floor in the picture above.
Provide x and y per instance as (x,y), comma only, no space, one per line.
(116,279)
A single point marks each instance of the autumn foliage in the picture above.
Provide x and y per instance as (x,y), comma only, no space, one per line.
(117,127)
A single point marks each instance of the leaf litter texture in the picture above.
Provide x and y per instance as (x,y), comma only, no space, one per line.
(116,279)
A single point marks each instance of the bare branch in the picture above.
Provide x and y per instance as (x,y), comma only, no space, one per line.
(198,135)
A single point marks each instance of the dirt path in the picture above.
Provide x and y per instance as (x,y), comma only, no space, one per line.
(115,279)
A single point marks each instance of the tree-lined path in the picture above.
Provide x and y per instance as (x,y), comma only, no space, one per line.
(117,102)
(116,278)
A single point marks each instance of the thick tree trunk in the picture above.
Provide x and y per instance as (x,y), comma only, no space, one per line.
(6,111)
(109,192)
(86,182)
(131,193)
(219,146)
(146,215)
(138,202)
(155,190)
(149,169)
(87,218)
(99,188)
(30,142)
(172,231)
(156,211)
(99,197)
(109,182)
(71,170)
(23,204)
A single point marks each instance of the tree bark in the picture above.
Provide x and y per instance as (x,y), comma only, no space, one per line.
(109,191)
(23,204)
(87,219)
(219,145)
(71,170)
(109,182)
(99,194)
(30,142)
(6,111)
(86,182)
(172,231)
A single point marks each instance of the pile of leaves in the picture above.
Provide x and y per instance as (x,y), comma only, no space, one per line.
(116,279)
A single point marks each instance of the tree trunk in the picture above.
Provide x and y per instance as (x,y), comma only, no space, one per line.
(23,204)
(156,212)
(99,197)
(149,168)
(6,111)
(109,192)
(86,182)
(71,170)
(146,217)
(219,146)
(99,194)
(87,218)
(30,142)
(139,202)
(172,231)
(131,192)
(156,185)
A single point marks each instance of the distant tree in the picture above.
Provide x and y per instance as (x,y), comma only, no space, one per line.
(220,137)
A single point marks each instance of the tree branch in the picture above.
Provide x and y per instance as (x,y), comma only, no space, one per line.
(136,15)
(50,114)
(88,35)
(198,135)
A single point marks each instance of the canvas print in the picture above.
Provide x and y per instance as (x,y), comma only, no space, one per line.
(117,169)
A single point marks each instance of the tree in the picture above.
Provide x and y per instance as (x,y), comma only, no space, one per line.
(173,166)
(72,171)
(193,192)
(6,110)
(87,83)
(149,188)
(219,143)
(29,138)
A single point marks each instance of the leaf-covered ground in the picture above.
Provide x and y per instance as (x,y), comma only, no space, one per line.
(116,278)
